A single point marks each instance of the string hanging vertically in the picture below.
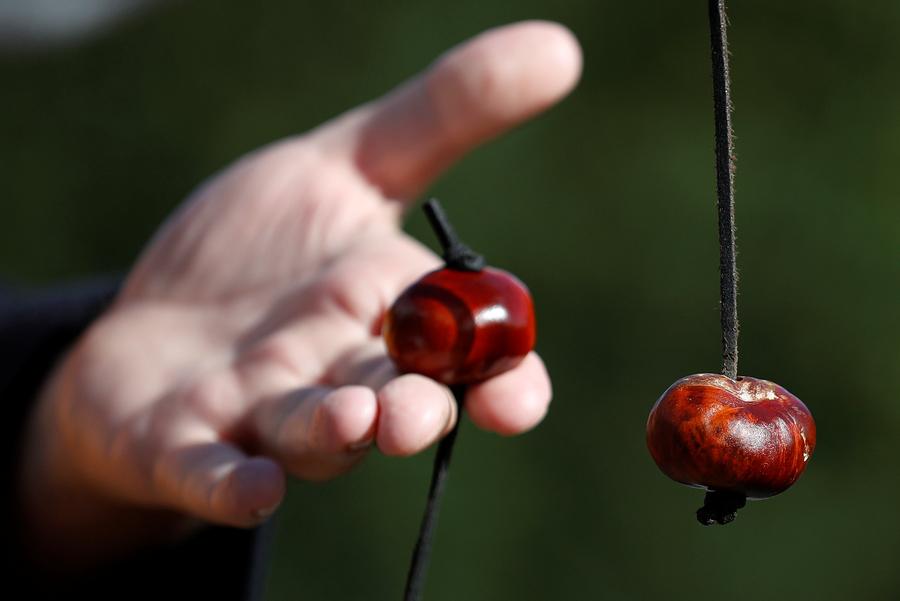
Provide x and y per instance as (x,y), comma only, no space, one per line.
(728,279)
(418,568)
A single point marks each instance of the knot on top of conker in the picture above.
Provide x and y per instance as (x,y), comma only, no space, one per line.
(456,254)
(463,323)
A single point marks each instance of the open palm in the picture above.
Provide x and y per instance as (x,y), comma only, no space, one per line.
(245,343)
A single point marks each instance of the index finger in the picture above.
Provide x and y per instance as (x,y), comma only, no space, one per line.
(477,90)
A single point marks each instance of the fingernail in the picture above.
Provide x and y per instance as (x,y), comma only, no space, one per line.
(362,445)
(265,512)
(451,414)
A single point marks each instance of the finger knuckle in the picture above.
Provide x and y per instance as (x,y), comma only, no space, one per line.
(211,396)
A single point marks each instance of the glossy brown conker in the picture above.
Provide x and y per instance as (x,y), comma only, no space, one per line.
(748,436)
(461,326)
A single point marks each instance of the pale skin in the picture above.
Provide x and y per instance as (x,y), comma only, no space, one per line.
(245,345)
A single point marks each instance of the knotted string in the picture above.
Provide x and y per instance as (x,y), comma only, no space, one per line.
(720,507)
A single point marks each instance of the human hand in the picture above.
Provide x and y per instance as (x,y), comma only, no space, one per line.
(245,343)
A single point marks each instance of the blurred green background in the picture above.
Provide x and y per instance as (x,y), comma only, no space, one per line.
(605,207)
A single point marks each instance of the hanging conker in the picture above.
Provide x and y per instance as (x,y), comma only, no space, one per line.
(739,439)
(462,323)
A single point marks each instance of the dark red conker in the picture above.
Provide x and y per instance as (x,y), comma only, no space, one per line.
(460,327)
(746,436)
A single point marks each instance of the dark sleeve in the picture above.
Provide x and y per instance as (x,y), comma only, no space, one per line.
(216,563)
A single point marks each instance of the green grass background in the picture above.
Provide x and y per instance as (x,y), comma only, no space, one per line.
(605,207)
